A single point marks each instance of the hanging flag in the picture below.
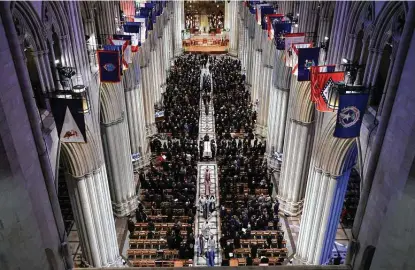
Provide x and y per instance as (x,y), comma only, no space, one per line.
(280,29)
(270,19)
(289,40)
(119,49)
(143,28)
(69,119)
(307,58)
(294,56)
(109,66)
(350,114)
(265,10)
(322,79)
(122,48)
(258,12)
(125,42)
(133,29)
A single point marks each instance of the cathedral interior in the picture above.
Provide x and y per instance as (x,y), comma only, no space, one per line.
(230,133)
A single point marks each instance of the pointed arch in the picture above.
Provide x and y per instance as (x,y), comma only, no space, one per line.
(82,158)
(29,26)
(331,152)
(111,102)
(302,107)
(386,24)
(54,16)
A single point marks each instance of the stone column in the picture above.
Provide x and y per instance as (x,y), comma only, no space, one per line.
(233,27)
(117,150)
(178,14)
(148,101)
(278,104)
(297,148)
(133,91)
(91,205)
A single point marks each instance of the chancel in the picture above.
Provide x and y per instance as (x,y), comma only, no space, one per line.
(141,133)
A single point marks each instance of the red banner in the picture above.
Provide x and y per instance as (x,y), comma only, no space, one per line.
(320,80)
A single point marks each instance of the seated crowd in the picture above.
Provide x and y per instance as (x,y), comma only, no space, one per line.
(249,215)
(162,233)
(233,109)
(181,99)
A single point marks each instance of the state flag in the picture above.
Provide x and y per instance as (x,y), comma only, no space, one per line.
(290,39)
(294,57)
(350,114)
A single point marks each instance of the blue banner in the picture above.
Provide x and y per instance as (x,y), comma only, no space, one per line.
(109,66)
(115,48)
(264,12)
(280,29)
(122,37)
(132,27)
(350,114)
(307,58)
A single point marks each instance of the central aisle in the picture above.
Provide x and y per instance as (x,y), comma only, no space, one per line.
(207,126)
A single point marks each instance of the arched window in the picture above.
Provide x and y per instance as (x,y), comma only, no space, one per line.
(381,78)
(32,42)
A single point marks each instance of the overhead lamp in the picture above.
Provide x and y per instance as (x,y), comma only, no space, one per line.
(345,61)
(326,38)
(296,25)
(298,14)
(57,61)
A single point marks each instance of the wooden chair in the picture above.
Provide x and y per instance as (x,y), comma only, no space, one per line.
(241,262)
(178,264)
(233,262)
(152,253)
(131,254)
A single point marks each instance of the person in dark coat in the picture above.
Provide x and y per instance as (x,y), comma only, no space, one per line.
(254,251)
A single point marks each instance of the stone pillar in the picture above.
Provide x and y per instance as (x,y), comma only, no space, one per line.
(297,149)
(278,104)
(117,150)
(178,14)
(148,101)
(233,26)
(133,90)
(91,205)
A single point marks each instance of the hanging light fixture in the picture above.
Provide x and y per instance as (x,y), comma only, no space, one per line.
(69,91)
(341,88)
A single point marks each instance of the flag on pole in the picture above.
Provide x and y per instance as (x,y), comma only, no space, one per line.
(294,57)
(307,58)
(350,114)
(258,12)
(280,29)
(109,66)
(290,39)
(69,119)
(265,10)
(125,42)
(270,19)
(133,29)
(119,49)
(322,79)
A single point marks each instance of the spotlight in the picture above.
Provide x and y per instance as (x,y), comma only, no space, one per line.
(296,25)
(326,38)
(298,14)
(57,61)
(344,60)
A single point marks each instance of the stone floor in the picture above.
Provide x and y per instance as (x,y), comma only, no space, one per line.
(292,226)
